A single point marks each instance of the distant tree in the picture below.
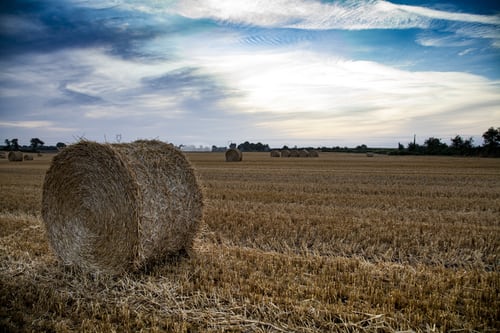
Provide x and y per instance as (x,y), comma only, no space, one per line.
(413,147)
(457,142)
(434,146)
(14,144)
(35,143)
(492,136)
(7,144)
(362,148)
(245,146)
(461,146)
(259,146)
(492,141)
(60,145)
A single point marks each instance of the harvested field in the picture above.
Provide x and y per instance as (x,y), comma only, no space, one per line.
(342,243)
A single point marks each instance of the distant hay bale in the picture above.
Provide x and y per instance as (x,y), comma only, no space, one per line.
(27,157)
(313,153)
(285,153)
(303,153)
(2,155)
(275,153)
(120,207)
(369,154)
(234,155)
(294,153)
(15,156)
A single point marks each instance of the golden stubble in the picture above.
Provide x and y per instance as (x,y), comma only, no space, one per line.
(339,243)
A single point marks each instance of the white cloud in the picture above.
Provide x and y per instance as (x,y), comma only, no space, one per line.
(371,14)
(460,35)
(443,15)
(35,124)
(26,124)
(466,51)
(301,14)
(443,41)
(302,94)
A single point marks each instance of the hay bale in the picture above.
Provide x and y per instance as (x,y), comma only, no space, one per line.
(120,207)
(303,153)
(313,153)
(275,153)
(369,154)
(15,156)
(27,157)
(294,153)
(2,155)
(285,153)
(234,155)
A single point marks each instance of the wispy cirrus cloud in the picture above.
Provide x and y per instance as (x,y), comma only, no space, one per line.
(26,124)
(440,28)
(443,40)
(444,15)
(300,14)
(34,124)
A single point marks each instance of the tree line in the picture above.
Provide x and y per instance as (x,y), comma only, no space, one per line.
(36,145)
(245,146)
(431,146)
(457,146)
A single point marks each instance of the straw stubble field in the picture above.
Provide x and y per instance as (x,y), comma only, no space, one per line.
(337,243)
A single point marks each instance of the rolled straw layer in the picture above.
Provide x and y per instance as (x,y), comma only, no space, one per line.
(118,207)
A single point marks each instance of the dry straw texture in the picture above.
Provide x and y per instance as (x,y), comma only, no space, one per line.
(343,243)
(313,153)
(275,153)
(15,156)
(28,157)
(294,153)
(303,153)
(118,207)
(285,153)
(234,155)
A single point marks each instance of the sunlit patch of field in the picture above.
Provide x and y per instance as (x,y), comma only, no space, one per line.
(342,242)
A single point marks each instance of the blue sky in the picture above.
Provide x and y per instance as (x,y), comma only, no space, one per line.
(207,72)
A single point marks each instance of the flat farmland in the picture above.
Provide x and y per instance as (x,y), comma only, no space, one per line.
(339,243)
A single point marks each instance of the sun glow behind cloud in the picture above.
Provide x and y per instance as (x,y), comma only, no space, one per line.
(314,95)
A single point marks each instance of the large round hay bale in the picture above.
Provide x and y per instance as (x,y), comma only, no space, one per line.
(15,156)
(303,153)
(313,153)
(285,153)
(28,157)
(294,153)
(275,153)
(233,155)
(119,207)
